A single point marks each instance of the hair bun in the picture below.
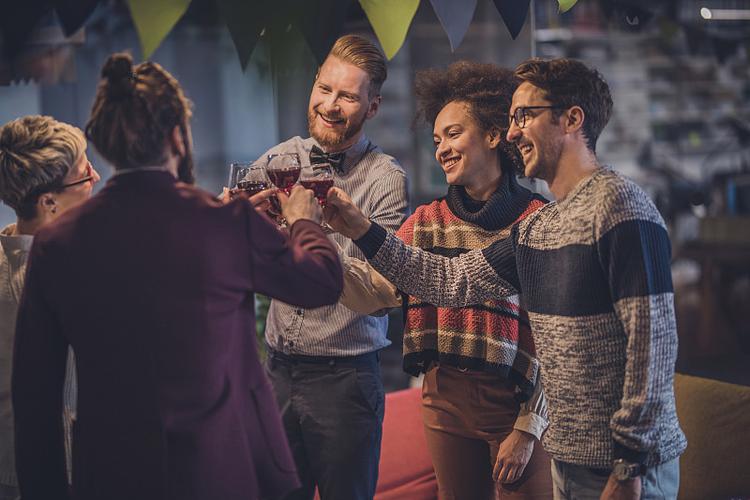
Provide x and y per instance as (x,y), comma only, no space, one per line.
(118,71)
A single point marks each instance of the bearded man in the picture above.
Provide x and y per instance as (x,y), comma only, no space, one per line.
(323,363)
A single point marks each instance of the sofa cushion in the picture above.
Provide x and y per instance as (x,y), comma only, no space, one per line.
(716,419)
(405,465)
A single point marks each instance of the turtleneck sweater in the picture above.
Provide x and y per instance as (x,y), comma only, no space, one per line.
(493,336)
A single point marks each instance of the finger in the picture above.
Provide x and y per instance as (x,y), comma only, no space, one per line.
(512,475)
(505,473)
(282,197)
(225,195)
(261,197)
(497,469)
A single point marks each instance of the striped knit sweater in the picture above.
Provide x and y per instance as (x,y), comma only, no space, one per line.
(493,336)
(594,274)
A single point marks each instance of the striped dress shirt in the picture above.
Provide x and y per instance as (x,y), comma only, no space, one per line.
(377,185)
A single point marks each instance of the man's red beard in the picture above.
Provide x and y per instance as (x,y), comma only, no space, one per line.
(331,139)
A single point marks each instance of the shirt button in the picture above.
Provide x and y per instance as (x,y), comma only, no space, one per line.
(291,343)
(300,312)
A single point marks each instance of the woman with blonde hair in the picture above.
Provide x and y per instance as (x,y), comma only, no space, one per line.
(43,172)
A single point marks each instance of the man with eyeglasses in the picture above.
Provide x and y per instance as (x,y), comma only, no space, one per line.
(43,172)
(593,268)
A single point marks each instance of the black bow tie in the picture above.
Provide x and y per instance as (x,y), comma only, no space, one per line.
(336,160)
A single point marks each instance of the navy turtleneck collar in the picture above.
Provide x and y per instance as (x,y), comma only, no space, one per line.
(502,208)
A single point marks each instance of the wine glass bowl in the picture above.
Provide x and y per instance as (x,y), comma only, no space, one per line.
(247,179)
(284,170)
(318,178)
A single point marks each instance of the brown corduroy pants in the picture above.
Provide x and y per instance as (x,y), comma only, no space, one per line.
(467,414)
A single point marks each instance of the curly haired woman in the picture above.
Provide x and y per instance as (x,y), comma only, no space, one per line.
(483,409)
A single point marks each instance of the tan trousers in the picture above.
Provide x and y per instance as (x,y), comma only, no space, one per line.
(467,414)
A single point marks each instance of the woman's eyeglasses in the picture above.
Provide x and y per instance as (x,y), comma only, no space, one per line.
(86,178)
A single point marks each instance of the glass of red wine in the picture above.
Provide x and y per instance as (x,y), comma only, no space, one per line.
(247,179)
(283,170)
(319,178)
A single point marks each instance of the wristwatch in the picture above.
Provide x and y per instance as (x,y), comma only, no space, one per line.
(624,470)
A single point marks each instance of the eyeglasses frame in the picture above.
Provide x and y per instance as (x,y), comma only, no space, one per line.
(523,109)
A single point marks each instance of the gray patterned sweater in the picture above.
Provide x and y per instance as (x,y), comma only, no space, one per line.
(594,273)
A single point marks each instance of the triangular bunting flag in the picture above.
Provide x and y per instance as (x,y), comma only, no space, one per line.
(455,16)
(513,13)
(73,13)
(321,22)
(154,19)
(566,5)
(390,19)
(245,21)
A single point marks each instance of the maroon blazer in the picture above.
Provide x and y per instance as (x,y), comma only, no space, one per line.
(151,281)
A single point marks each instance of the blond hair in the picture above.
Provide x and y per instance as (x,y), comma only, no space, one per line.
(36,153)
(362,53)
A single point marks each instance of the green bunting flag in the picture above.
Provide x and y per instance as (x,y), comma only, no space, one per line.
(154,19)
(390,19)
(566,5)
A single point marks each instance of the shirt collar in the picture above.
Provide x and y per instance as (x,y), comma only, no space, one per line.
(354,153)
(15,242)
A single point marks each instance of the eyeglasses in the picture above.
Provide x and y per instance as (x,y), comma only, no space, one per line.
(522,112)
(86,178)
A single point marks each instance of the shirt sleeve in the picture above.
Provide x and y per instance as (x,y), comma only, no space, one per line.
(301,269)
(635,254)
(389,203)
(40,355)
(471,278)
(532,416)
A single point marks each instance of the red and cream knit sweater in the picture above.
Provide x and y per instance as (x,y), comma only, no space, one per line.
(494,336)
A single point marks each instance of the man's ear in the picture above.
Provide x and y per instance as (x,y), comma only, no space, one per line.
(372,110)
(178,144)
(46,204)
(574,118)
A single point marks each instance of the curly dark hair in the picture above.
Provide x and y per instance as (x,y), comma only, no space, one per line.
(135,110)
(486,89)
(567,83)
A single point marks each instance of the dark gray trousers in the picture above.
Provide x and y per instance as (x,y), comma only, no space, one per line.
(332,410)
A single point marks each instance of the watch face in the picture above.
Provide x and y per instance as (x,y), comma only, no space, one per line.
(623,470)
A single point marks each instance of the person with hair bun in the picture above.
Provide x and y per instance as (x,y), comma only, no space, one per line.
(44,171)
(478,361)
(151,282)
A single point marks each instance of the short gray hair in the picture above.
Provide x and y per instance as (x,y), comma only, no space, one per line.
(36,153)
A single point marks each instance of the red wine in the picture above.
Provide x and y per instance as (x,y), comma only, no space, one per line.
(284,178)
(250,187)
(320,187)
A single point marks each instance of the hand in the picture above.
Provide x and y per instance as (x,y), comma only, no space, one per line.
(343,216)
(622,490)
(262,200)
(300,204)
(512,457)
(225,196)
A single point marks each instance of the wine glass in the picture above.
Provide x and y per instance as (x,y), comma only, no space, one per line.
(283,170)
(247,179)
(319,178)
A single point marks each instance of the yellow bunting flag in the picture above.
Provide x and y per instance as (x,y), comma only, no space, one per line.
(154,19)
(390,19)
(566,5)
